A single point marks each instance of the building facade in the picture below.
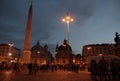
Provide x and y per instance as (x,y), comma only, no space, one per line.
(64,54)
(102,49)
(41,54)
(9,53)
(96,50)
(78,59)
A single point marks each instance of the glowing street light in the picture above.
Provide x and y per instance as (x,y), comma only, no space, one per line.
(9,54)
(10,46)
(88,48)
(67,20)
(38,52)
(100,55)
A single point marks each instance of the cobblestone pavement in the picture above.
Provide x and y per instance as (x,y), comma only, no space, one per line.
(45,76)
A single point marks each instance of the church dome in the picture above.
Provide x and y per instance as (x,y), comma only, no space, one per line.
(37,47)
(65,46)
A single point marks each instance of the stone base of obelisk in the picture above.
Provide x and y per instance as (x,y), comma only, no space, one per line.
(26,55)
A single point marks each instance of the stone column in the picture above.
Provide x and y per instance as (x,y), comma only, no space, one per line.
(26,53)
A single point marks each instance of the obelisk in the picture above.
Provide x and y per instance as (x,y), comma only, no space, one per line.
(26,53)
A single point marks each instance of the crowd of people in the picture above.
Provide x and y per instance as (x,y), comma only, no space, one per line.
(16,67)
(100,70)
(105,70)
(34,67)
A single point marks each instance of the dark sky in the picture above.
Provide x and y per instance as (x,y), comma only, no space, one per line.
(95,22)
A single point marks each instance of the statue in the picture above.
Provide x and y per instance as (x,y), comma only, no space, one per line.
(117,38)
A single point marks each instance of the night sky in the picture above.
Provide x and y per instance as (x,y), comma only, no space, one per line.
(95,22)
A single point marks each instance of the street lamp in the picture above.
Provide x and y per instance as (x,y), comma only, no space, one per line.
(9,53)
(67,20)
(38,54)
(88,48)
(100,55)
(10,46)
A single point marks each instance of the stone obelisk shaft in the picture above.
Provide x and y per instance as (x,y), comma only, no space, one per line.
(26,54)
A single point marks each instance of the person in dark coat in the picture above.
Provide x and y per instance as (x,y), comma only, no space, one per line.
(30,67)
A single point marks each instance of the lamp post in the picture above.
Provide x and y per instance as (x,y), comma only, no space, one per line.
(10,46)
(67,20)
(38,54)
(9,53)
(89,50)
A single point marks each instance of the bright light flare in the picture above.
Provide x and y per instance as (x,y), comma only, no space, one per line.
(63,20)
(10,54)
(88,48)
(72,19)
(10,44)
(68,19)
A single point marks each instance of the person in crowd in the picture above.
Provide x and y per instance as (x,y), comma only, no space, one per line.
(30,67)
(115,69)
(35,67)
(94,70)
(104,71)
